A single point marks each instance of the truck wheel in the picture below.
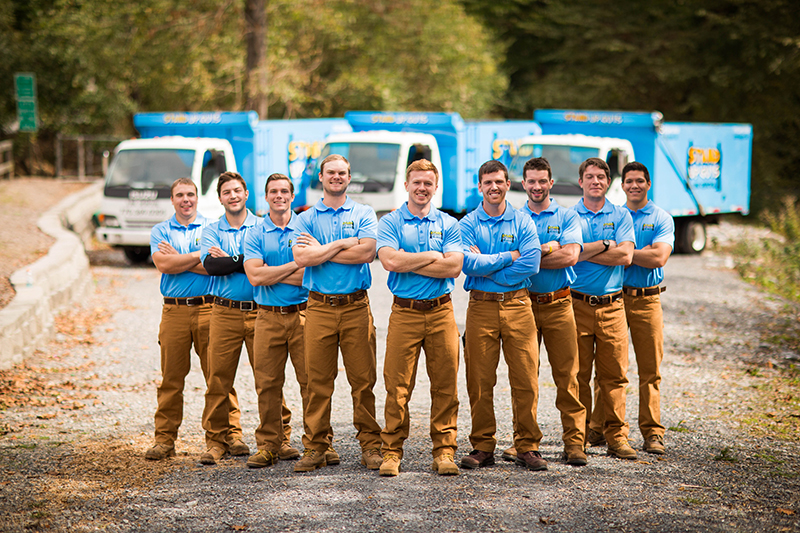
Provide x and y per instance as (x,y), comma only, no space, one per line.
(137,255)
(691,238)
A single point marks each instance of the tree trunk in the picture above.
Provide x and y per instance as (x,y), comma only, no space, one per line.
(255,74)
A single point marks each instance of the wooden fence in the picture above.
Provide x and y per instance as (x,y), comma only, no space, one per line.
(6,159)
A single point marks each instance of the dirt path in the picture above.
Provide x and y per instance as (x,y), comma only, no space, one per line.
(74,435)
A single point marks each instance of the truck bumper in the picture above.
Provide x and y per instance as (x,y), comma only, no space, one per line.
(122,237)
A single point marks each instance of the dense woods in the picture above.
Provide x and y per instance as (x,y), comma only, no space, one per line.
(97,62)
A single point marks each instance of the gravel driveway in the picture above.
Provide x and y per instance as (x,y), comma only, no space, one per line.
(71,455)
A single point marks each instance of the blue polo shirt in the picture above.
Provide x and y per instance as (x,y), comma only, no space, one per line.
(493,270)
(234,286)
(185,239)
(437,231)
(613,223)
(651,225)
(555,223)
(272,245)
(328,225)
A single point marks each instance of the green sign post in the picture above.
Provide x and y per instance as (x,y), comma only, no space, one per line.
(27,106)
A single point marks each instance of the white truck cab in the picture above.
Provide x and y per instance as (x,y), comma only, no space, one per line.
(137,189)
(565,153)
(378,162)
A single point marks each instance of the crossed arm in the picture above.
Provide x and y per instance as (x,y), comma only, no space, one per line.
(617,254)
(169,261)
(350,251)
(432,263)
(558,256)
(653,255)
(260,273)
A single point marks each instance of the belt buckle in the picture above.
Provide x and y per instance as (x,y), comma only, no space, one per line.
(334,300)
(189,302)
(594,300)
(284,310)
(246,306)
(502,297)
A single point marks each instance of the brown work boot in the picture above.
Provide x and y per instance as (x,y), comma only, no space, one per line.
(311,460)
(332,456)
(390,465)
(531,460)
(620,448)
(477,459)
(510,454)
(262,458)
(595,438)
(654,444)
(372,458)
(444,465)
(238,447)
(159,452)
(575,456)
(287,452)
(212,455)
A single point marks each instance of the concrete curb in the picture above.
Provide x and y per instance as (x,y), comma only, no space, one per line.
(45,287)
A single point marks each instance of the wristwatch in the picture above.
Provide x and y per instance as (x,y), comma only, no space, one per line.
(606,243)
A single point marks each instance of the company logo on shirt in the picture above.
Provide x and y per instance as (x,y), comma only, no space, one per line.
(290,243)
(648,227)
(197,241)
(434,234)
(608,225)
(348,224)
(553,229)
(507,237)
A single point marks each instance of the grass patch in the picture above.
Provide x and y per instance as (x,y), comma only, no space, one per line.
(726,455)
(680,428)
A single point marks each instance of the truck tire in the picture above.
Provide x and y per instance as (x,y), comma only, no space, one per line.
(137,254)
(691,236)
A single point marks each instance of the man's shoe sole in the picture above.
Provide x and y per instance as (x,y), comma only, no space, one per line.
(489,461)
(312,468)
(508,457)
(159,456)
(539,468)
(294,454)
(618,456)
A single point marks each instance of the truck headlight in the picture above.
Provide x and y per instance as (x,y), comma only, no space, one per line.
(108,221)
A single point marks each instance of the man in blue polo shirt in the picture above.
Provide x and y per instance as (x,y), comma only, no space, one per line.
(655,237)
(420,246)
(186,287)
(233,315)
(561,240)
(608,242)
(501,252)
(335,242)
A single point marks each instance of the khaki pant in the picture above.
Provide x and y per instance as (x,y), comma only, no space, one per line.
(646,322)
(436,332)
(490,324)
(181,327)
(228,329)
(276,337)
(603,343)
(555,322)
(350,327)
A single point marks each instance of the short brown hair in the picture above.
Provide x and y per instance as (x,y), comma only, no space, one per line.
(334,157)
(594,162)
(276,177)
(230,176)
(490,167)
(537,163)
(633,166)
(182,181)
(422,165)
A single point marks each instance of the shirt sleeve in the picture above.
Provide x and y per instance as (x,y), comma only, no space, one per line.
(452,236)
(160,232)
(530,256)
(665,232)
(210,238)
(368,223)
(302,226)
(252,250)
(571,233)
(388,236)
(624,232)
(478,265)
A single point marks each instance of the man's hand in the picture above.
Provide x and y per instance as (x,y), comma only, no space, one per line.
(166,248)
(550,247)
(216,251)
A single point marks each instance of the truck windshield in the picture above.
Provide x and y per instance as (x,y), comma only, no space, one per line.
(373,166)
(564,161)
(153,169)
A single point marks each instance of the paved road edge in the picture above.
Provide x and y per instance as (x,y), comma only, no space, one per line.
(45,287)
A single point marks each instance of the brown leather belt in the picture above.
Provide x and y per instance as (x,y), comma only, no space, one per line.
(284,310)
(335,300)
(422,305)
(648,291)
(235,304)
(547,297)
(496,296)
(190,302)
(597,300)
